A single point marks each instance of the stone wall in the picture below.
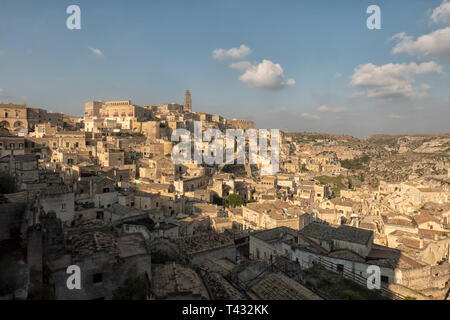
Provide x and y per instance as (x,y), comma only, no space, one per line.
(429,280)
(113,276)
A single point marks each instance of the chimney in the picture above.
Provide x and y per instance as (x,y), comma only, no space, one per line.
(421,244)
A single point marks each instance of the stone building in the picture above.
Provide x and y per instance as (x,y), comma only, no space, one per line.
(10,144)
(13,116)
(105,260)
(269,215)
(59,201)
(176,282)
(187,101)
(24,168)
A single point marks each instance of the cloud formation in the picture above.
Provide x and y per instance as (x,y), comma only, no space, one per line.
(436,43)
(95,51)
(233,53)
(393,81)
(441,14)
(309,116)
(266,75)
(325,108)
(263,75)
(396,116)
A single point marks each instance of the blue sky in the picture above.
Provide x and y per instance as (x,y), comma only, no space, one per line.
(151,51)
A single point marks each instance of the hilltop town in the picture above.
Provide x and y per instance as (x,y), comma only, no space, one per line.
(102,192)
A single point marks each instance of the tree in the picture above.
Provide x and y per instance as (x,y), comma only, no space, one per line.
(348,295)
(234,200)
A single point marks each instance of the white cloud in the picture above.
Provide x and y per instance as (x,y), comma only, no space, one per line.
(241,65)
(97,52)
(233,53)
(436,43)
(325,108)
(309,116)
(393,80)
(266,75)
(396,116)
(441,14)
(337,75)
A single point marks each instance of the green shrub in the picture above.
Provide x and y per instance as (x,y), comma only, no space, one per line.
(348,295)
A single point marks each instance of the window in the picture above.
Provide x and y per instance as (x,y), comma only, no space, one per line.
(63,206)
(97,278)
(54,144)
(340,268)
(384,279)
(6,114)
